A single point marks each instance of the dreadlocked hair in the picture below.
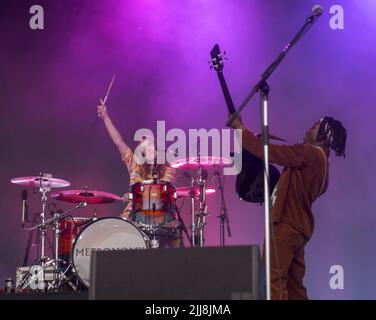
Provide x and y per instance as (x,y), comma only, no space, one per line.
(333,134)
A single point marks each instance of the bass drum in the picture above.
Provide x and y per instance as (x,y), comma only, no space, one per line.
(104,234)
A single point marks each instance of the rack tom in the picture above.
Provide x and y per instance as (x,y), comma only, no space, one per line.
(153,202)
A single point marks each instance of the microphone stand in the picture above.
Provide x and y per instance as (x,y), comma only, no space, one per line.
(263,88)
(270,69)
(29,243)
(224,220)
(182,226)
(58,217)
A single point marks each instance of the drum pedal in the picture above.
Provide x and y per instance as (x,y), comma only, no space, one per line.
(154,243)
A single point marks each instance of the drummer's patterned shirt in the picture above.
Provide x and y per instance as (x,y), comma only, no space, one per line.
(134,177)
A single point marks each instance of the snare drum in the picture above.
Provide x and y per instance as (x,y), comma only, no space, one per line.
(153,202)
(104,234)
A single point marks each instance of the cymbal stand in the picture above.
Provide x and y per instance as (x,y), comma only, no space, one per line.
(59,275)
(43,234)
(224,220)
(198,219)
(201,221)
(193,214)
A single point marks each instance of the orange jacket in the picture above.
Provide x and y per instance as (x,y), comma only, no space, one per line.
(303,180)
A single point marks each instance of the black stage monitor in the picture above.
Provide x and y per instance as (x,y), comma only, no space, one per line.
(211,273)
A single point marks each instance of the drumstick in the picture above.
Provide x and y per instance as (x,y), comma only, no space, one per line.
(103,102)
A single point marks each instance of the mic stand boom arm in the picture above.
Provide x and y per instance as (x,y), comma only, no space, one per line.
(263,88)
(269,70)
(63,215)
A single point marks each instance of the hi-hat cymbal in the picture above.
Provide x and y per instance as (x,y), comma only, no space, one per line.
(188,191)
(203,161)
(40,182)
(88,196)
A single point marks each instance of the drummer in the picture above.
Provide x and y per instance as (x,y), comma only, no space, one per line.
(168,234)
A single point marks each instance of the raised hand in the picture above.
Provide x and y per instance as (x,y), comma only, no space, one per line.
(102,110)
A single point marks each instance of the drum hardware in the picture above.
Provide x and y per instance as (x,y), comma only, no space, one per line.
(201,221)
(223,217)
(198,219)
(198,190)
(193,214)
(59,265)
(154,243)
(44,183)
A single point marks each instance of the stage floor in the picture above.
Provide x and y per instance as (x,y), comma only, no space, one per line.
(50,295)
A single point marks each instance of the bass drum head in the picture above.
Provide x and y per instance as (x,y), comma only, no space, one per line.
(104,234)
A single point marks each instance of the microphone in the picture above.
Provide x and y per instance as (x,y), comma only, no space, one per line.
(24,207)
(317,10)
(81,205)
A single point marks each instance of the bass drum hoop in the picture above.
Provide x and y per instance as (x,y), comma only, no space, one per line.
(144,236)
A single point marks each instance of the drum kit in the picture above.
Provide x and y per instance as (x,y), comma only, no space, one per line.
(75,237)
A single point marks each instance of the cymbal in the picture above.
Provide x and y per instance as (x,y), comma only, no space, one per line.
(41,182)
(204,161)
(186,191)
(88,196)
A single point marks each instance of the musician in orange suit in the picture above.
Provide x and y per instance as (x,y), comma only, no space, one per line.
(303,180)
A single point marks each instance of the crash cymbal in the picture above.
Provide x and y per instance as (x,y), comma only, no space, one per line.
(187,191)
(204,161)
(88,196)
(40,182)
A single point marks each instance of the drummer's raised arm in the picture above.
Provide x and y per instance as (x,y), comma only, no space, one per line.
(112,131)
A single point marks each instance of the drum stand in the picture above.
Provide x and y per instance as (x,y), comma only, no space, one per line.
(38,276)
(154,243)
(41,264)
(198,220)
